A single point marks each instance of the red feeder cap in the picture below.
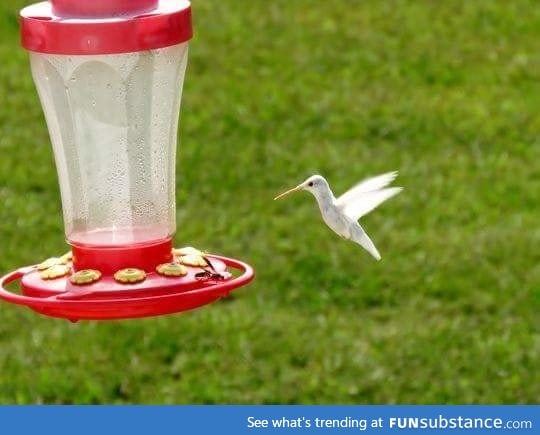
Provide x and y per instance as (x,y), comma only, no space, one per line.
(104,26)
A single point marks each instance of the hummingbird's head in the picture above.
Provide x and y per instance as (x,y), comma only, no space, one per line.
(314,184)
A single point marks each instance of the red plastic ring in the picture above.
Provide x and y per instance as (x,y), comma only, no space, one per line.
(127,307)
(44,32)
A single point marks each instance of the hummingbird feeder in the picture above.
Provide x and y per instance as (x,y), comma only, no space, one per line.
(109,75)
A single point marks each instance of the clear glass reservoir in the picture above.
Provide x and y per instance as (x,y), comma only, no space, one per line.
(113,121)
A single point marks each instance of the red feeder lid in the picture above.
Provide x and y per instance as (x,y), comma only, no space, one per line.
(104,26)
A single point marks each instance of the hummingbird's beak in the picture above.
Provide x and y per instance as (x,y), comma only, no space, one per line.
(294,189)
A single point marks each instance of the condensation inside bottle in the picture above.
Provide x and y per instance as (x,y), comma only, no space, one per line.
(113,122)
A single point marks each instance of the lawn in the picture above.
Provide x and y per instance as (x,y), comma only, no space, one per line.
(446,92)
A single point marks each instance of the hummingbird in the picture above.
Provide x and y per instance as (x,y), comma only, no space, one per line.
(342,214)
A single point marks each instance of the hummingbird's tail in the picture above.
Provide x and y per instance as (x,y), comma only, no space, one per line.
(358,235)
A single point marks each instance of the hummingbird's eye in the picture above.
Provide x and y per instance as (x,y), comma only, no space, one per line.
(310,184)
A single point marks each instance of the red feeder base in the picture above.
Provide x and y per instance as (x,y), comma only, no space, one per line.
(108,299)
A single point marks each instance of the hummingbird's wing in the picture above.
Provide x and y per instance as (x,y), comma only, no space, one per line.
(365,202)
(367,195)
(368,185)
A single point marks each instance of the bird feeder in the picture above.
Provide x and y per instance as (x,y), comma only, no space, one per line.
(109,75)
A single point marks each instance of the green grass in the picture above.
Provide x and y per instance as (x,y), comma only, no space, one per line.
(447,92)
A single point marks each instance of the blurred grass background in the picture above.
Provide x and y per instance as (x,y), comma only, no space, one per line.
(447,92)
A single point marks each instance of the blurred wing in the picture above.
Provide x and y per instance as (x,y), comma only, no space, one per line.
(363,202)
(368,185)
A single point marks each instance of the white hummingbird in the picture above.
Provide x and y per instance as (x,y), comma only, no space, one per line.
(342,214)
